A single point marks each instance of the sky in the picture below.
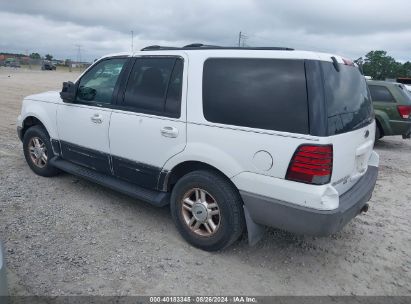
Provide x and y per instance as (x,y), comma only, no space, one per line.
(350,28)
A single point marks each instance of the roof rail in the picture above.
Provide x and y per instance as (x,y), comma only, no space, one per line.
(159,47)
(200,46)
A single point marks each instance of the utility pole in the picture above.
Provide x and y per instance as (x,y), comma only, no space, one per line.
(132,41)
(241,39)
(78,54)
(29,60)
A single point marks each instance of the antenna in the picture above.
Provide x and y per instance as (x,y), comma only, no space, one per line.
(132,41)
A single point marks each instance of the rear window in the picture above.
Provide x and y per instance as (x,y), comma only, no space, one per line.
(380,93)
(405,93)
(154,86)
(258,93)
(348,101)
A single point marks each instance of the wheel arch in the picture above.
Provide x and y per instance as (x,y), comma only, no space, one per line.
(185,167)
(31,121)
(378,124)
(383,122)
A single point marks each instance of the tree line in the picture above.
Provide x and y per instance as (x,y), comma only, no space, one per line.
(380,66)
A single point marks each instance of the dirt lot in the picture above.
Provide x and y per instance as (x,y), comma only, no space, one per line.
(67,236)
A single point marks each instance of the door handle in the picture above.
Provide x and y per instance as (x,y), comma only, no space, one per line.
(97,118)
(169,132)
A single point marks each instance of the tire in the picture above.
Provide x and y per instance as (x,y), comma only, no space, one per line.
(34,135)
(229,223)
(378,133)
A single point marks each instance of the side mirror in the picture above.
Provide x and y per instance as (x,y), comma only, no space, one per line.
(68,92)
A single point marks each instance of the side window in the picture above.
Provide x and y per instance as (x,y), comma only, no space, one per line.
(380,93)
(154,86)
(258,93)
(97,85)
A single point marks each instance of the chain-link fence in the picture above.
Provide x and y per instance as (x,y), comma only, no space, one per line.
(41,64)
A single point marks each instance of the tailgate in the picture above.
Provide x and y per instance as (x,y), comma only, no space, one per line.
(352,151)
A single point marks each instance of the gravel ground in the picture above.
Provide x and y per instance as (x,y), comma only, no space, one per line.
(67,236)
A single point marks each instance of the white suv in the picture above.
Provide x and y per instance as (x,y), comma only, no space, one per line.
(231,138)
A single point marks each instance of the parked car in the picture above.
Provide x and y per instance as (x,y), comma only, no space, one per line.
(392,106)
(3,279)
(48,65)
(12,64)
(231,138)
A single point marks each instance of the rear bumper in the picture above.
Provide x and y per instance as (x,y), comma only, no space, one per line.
(407,134)
(401,128)
(301,220)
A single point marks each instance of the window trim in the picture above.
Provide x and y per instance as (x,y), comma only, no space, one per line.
(119,104)
(116,87)
(382,86)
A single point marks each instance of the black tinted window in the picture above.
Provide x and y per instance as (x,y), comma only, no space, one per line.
(258,93)
(404,92)
(380,93)
(347,99)
(154,86)
(97,85)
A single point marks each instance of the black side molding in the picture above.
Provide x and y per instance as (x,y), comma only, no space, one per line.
(156,198)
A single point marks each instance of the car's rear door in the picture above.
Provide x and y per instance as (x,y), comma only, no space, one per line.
(148,125)
(83,125)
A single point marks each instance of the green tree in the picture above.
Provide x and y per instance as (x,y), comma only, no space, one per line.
(407,69)
(35,56)
(48,57)
(379,65)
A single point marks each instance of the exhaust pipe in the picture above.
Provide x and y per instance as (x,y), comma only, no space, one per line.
(365,208)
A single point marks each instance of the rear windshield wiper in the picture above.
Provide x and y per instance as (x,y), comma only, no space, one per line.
(363,123)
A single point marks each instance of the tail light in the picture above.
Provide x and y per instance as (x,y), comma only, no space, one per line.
(311,164)
(404,111)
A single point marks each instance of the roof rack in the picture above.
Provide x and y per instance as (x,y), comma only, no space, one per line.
(159,47)
(200,46)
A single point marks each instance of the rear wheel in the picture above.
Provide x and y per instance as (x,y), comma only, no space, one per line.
(38,151)
(378,133)
(207,210)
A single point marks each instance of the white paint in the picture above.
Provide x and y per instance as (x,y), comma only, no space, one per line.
(231,149)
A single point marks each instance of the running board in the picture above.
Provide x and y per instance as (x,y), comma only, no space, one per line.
(156,198)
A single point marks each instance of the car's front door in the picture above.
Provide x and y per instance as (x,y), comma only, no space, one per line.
(148,125)
(83,125)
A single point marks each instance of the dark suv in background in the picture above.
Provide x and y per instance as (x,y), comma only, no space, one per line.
(392,107)
(48,65)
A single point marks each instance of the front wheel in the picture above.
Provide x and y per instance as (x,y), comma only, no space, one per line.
(207,210)
(38,151)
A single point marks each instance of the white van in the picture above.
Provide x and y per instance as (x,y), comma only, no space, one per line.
(231,138)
